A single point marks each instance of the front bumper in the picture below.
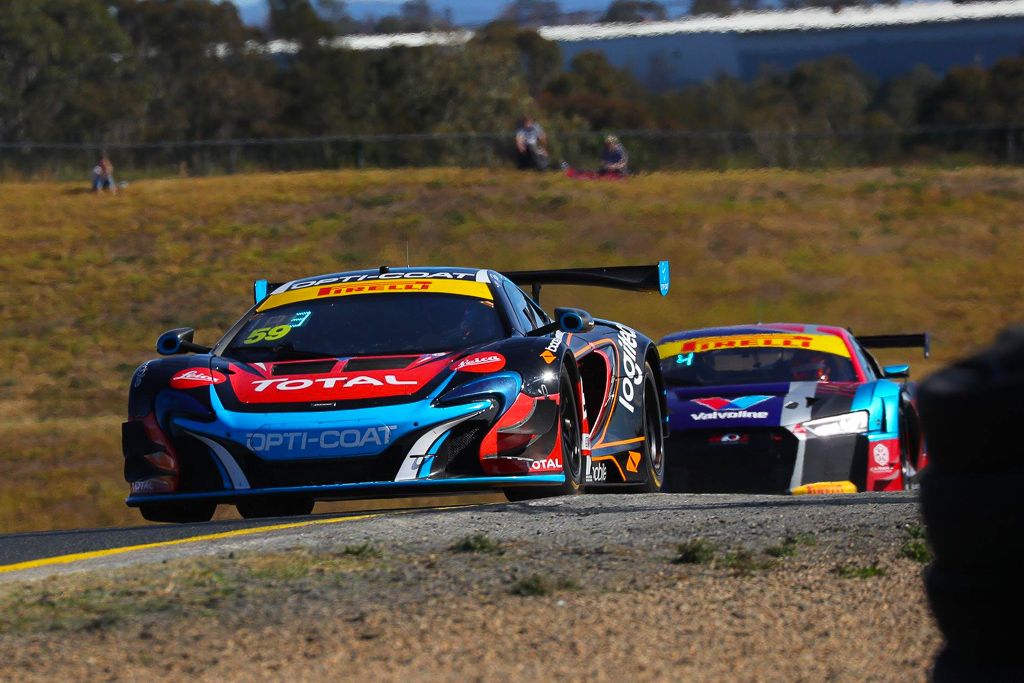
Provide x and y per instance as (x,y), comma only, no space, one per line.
(776,460)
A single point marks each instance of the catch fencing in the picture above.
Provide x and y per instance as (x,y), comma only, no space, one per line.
(649,150)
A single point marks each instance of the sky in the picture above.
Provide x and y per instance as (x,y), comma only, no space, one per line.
(467,12)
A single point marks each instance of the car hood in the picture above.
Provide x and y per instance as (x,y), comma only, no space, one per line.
(329,382)
(758,405)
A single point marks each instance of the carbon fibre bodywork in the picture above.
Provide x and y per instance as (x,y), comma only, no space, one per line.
(213,427)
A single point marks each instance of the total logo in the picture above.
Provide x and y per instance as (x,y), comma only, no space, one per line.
(194,377)
(880,454)
(632,371)
(730,409)
(327,440)
(546,465)
(345,382)
(480,362)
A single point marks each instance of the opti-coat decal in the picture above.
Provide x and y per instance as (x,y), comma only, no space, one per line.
(326,440)
(826,343)
(195,377)
(411,275)
(632,371)
(485,362)
(329,288)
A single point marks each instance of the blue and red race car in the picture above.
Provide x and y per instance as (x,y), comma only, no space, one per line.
(789,408)
(397,381)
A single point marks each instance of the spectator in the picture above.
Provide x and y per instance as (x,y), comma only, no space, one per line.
(103,176)
(531,145)
(614,160)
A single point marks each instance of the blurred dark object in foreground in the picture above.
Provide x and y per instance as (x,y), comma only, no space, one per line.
(972,498)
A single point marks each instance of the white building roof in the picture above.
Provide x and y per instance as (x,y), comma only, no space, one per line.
(745,22)
(796,20)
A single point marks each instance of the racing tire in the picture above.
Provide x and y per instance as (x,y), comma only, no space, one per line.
(178,512)
(654,442)
(572,448)
(256,508)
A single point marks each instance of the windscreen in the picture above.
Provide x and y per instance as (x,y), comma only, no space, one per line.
(696,364)
(369,325)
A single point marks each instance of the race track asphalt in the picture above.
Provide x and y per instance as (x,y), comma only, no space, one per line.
(734,519)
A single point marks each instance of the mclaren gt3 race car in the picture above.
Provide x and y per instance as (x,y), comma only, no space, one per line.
(783,407)
(397,382)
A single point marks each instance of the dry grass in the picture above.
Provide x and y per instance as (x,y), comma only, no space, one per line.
(90,281)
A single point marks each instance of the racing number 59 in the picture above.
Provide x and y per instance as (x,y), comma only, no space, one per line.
(267,333)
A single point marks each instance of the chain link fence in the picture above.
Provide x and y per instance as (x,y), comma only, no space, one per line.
(649,150)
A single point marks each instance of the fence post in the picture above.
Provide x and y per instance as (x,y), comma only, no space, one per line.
(1010,151)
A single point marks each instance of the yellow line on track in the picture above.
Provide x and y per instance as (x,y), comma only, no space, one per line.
(78,557)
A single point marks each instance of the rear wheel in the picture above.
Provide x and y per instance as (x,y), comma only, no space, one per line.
(572,448)
(274,507)
(178,512)
(654,445)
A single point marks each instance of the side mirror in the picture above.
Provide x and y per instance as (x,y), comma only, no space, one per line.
(901,371)
(573,320)
(178,340)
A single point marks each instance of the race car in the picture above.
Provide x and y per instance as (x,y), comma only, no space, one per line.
(400,381)
(789,408)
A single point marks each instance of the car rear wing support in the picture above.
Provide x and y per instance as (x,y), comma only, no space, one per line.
(898,341)
(654,278)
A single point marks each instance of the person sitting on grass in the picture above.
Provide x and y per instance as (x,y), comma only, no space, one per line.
(103,176)
(614,160)
(531,145)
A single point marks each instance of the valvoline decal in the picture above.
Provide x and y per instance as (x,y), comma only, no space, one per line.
(196,377)
(487,361)
(719,411)
(271,383)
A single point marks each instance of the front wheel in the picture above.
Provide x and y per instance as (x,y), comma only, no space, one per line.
(572,448)
(178,512)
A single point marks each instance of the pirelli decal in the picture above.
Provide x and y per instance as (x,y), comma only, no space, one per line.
(477,290)
(826,343)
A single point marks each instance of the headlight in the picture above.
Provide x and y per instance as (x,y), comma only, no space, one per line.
(847,423)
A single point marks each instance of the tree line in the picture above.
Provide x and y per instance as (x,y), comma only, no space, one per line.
(130,71)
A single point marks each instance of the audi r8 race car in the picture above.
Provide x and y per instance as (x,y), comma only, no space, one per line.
(397,381)
(783,407)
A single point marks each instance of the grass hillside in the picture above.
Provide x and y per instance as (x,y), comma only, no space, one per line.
(90,281)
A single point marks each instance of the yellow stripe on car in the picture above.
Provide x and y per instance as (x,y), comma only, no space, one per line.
(477,290)
(826,343)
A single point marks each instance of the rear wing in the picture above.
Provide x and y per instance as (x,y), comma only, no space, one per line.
(654,278)
(898,341)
